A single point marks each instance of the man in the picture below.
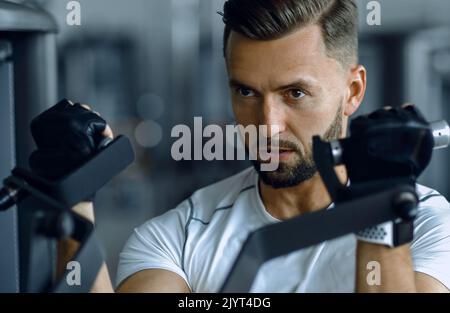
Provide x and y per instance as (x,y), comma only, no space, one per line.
(292,64)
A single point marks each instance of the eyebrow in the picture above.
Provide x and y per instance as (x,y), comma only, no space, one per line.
(235,83)
(302,83)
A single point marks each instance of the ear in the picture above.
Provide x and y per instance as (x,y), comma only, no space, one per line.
(356,89)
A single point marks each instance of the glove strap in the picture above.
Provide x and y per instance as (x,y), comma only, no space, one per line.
(391,234)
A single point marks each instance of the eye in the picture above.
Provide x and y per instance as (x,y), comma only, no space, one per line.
(295,94)
(245,92)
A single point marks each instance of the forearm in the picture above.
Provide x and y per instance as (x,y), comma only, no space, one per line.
(396,272)
(68,247)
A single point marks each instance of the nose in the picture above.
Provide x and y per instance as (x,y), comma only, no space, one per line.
(273,116)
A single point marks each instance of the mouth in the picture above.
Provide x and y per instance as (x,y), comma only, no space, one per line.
(280,153)
(285,154)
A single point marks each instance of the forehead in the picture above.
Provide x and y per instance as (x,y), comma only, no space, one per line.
(300,52)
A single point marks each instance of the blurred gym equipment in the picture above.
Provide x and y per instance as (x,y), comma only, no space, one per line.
(27,86)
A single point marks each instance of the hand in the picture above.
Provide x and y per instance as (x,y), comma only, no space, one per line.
(388,143)
(404,114)
(66,135)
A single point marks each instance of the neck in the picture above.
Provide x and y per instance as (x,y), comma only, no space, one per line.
(311,195)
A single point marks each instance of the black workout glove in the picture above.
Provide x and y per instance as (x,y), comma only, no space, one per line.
(393,143)
(66,135)
(389,144)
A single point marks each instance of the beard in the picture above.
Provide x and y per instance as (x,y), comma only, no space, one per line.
(304,168)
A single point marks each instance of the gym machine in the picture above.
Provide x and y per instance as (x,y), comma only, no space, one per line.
(383,199)
(27,76)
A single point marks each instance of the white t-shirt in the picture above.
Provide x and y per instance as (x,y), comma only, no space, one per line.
(200,239)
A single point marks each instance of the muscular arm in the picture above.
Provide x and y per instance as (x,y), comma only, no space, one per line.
(153,280)
(396,270)
(67,249)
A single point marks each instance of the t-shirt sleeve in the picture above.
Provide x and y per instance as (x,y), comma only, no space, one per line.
(431,245)
(157,244)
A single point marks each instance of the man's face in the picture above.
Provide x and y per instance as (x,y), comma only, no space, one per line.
(289,82)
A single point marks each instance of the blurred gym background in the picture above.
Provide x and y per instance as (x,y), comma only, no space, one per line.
(147,65)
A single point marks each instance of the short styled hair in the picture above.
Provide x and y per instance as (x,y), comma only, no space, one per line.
(273,19)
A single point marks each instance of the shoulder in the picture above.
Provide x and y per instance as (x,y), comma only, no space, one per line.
(431,244)
(430,198)
(433,219)
(224,192)
(205,200)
